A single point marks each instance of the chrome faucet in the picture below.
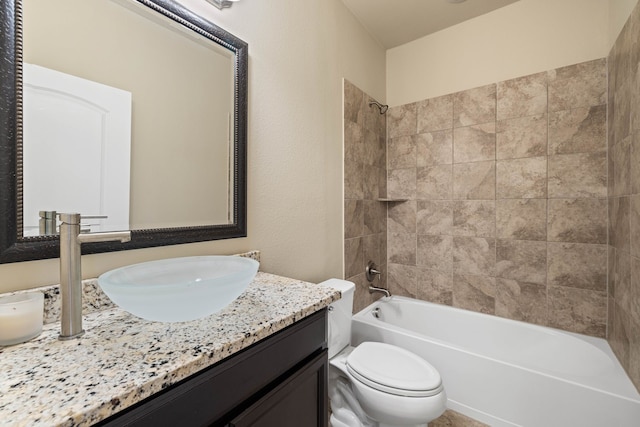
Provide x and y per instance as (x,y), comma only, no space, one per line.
(71,273)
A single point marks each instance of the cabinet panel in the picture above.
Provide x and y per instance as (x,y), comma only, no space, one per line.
(301,400)
(207,397)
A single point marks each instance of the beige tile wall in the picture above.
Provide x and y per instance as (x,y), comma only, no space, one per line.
(624,197)
(365,227)
(507,189)
(517,205)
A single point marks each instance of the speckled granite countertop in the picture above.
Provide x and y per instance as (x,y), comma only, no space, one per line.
(122,359)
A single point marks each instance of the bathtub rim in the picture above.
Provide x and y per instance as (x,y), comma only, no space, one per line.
(624,388)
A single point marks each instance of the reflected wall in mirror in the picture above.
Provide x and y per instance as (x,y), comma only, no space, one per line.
(181,123)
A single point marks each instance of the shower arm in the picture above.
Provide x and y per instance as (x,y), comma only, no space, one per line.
(382,107)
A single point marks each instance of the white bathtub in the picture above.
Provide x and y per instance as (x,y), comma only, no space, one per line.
(508,373)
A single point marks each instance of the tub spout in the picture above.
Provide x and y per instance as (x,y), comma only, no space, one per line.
(373,289)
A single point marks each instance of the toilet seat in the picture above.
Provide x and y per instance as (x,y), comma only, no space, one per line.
(393,370)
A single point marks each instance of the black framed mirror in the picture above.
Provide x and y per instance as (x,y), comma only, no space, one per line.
(16,245)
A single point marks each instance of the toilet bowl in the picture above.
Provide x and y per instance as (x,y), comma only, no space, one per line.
(377,384)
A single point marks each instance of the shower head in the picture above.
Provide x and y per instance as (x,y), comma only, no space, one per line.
(383,108)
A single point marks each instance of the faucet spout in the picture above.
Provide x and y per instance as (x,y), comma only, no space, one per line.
(373,289)
(71,273)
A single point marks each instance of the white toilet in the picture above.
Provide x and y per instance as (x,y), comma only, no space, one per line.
(377,384)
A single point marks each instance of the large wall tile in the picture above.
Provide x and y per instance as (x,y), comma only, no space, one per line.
(578,175)
(634,168)
(401,153)
(382,183)
(353,103)
(634,295)
(610,171)
(402,280)
(635,99)
(521,137)
(401,217)
(523,96)
(521,219)
(476,181)
(375,214)
(435,217)
(434,183)
(622,110)
(371,249)
(435,114)
(476,293)
(374,149)
(402,120)
(353,142)
(620,223)
(474,218)
(634,224)
(577,220)
(353,257)
(522,301)
(434,252)
(633,368)
(580,85)
(577,265)
(521,178)
(435,286)
(621,156)
(578,310)
(474,143)
(434,148)
(617,335)
(371,182)
(474,255)
(580,130)
(624,289)
(353,218)
(353,180)
(611,264)
(522,260)
(611,84)
(401,248)
(475,106)
(401,183)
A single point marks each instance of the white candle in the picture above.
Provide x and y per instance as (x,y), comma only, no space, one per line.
(20,317)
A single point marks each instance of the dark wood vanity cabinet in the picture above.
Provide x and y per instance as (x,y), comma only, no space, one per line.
(280,381)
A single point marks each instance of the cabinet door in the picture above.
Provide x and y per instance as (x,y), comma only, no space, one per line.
(300,401)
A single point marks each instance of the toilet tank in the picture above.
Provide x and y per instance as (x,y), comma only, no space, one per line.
(340,313)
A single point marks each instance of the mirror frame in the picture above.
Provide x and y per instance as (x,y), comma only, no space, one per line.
(14,248)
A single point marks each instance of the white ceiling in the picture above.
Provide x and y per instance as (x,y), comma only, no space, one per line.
(396,22)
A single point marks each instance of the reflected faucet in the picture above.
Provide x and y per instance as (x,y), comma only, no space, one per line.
(70,271)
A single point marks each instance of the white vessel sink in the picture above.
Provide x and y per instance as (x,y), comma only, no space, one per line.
(179,289)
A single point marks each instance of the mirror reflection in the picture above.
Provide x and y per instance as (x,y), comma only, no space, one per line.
(126,115)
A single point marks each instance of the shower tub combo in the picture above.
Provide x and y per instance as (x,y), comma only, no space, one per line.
(504,372)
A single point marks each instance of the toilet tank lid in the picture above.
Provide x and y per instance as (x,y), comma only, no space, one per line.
(339,284)
(393,367)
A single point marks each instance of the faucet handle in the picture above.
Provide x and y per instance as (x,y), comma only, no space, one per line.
(75,218)
(85,227)
(371,270)
(94,217)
